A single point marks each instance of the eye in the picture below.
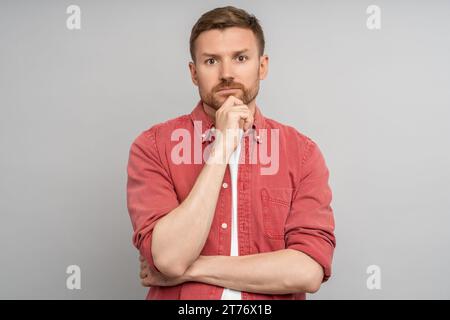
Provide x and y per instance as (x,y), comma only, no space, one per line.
(242,58)
(209,60)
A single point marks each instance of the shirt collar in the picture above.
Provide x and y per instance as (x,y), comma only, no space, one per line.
(199,114)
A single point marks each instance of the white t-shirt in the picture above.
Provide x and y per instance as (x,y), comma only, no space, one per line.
(230,294)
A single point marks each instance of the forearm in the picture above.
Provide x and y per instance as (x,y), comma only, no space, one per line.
(278,272)
(179,237)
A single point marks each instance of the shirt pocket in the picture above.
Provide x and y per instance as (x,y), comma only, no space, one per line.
(276,205)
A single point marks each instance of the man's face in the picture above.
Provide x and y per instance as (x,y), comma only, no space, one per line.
(227,58)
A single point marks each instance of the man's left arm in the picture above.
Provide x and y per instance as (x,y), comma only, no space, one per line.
(309,237)
(277,272)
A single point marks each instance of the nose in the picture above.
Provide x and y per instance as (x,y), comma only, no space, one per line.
(226,71)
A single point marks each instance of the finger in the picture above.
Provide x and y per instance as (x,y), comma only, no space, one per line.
(244,115)
(231,101)
(244,118)
(241,124)
(240,107)
(238,102)
(248,122)
(240,112)
(237,118)
(235,100)
(145,283)
(143,274)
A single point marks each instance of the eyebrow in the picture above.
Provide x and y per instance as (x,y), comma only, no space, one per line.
(215,55)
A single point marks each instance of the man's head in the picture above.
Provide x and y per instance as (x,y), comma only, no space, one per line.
(227,50)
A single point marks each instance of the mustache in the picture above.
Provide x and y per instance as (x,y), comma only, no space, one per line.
(229,85)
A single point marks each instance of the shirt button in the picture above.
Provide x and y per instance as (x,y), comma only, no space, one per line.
(224,225)
(225,185)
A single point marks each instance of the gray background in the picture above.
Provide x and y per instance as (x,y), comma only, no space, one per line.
(376,102)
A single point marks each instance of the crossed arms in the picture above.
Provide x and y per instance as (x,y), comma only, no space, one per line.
(171,259)
(278,272)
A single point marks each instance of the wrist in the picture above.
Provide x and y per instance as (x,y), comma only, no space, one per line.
(219,153)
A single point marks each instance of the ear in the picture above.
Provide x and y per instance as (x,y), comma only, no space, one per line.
(193,70)
(263,66)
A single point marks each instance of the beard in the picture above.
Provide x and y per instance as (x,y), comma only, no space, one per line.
(216,100)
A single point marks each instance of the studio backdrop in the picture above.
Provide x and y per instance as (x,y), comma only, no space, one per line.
(80,80)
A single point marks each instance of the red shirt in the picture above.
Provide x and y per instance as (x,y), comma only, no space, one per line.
(284,208)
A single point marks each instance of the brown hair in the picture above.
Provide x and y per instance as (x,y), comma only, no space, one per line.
(226,17)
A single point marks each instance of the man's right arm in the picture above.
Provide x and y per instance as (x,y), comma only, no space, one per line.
(179,237)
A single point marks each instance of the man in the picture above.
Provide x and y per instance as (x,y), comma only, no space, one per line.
(214,217)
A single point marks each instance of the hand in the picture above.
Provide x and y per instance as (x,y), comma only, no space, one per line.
(152,278)
(230,117)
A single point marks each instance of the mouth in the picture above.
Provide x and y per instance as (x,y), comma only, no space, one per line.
(225,90)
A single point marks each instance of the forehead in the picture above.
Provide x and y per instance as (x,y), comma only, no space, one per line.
(225,41)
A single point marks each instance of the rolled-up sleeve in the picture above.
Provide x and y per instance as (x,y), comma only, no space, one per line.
(310,225)
(150,191)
